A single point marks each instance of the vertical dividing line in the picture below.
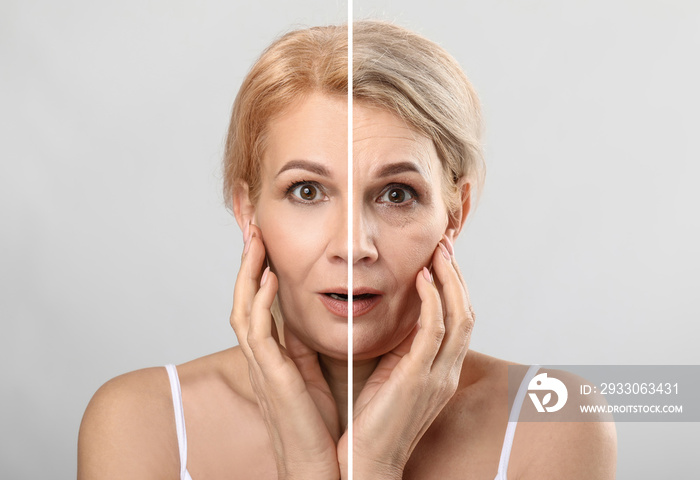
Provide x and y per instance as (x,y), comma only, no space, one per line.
(350,247)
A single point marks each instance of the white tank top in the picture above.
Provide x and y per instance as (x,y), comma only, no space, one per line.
(179,420)
(505,451)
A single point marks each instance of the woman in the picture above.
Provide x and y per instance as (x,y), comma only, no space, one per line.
(425,406)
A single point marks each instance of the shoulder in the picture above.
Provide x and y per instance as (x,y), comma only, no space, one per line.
(129,419)
(564,444)
(473,425)
(225,428)
(128,429)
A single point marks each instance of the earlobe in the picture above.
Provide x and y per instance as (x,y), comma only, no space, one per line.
(243,207)
(457,219)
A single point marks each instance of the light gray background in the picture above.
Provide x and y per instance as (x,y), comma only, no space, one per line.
(117,253)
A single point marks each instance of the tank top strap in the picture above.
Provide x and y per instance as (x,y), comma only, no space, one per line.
(179,419)
(513,422)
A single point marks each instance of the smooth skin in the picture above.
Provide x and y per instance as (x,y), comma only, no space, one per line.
(426,405)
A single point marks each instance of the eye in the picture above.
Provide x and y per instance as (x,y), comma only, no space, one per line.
(306,192)
(397,195)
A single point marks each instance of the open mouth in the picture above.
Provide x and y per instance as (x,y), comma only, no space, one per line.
(337,302)
(344,297)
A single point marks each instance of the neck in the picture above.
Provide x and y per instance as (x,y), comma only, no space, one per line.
(336,374)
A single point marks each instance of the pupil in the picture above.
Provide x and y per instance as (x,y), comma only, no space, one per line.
(308,192)
(397,195)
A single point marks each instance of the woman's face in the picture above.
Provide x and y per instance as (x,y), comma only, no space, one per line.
(399,216)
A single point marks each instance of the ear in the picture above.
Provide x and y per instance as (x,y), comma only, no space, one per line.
(456,220)
(243,207)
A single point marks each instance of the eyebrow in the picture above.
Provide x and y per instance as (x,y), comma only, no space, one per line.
(399,167)
(310,166)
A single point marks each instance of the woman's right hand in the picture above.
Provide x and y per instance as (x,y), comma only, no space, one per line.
(294,398)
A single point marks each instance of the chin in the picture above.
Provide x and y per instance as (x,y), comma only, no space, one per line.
(373,333)
(333,346)
(372,342)
(325,334)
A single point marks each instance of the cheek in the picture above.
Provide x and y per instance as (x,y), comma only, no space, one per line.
(408,246)
(292,237)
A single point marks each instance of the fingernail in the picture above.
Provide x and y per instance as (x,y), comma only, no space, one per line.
(445,253)
(448,244)
(247,243)
(264,276)
(427,275)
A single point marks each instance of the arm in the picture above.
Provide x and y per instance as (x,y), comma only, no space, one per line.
(568,449)
(571,450)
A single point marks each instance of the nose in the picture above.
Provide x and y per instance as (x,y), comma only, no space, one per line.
(336,228)
(364,250)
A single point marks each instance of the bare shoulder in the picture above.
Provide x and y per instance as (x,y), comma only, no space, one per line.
(226,435)
(567,445)
(467,438)
(128,429)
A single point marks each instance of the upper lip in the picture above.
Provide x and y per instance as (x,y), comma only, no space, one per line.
(355,291)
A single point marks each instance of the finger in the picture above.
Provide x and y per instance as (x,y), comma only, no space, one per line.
(458,318)
(428,339)
(275,332)
(306,361)
(390,359)
(247,283)
(466,289)
(405,346)
(262,344)
(450,248)
(303,356)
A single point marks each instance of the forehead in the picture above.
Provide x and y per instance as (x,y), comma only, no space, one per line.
(316,129)
(380,137)
(312,129)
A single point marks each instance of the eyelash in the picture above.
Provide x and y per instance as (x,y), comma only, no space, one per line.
(294,185)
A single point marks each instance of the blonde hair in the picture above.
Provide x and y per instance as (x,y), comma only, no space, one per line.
(298,63)
(419,81)
(393,68)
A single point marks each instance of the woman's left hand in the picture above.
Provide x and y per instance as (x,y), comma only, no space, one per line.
(413,383)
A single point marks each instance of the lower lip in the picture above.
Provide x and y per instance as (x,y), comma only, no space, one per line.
(359,307)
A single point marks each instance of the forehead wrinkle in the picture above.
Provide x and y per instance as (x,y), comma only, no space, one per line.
(416,153)
(412,138)
(397,142)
